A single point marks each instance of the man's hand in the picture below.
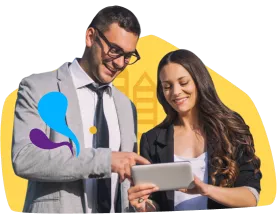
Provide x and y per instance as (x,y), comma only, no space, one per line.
(123,161)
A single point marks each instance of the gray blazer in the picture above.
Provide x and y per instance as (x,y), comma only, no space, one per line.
(55,177)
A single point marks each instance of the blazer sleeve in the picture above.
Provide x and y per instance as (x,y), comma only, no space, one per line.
(247,175)
(55,165)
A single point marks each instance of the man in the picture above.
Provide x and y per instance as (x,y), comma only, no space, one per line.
(59,182)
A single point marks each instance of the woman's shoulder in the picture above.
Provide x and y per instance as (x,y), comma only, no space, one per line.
(155,133)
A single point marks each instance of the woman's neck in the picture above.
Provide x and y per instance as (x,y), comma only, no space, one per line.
(189,120)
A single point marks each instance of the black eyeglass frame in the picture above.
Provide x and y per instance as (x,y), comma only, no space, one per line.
(135,53)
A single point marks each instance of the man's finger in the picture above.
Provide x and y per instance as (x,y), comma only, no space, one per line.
(121,176)
(140,160)
(127,171)
(132,162)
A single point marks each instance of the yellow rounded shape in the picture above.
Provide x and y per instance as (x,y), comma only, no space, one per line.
(93,130)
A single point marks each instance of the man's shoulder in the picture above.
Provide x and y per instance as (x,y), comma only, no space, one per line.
(122,96)
(40,77)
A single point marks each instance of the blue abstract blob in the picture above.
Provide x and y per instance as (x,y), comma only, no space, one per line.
(52,109)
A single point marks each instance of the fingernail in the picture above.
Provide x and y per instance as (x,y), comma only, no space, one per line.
(156,188)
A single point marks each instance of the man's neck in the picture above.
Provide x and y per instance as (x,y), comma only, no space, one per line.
(88,68)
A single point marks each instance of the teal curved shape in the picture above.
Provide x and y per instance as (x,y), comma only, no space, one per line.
(52,109)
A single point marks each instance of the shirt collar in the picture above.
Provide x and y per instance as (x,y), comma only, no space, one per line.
(81,78)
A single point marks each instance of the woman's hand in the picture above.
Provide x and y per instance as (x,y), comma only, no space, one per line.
(200,188)
(138,196)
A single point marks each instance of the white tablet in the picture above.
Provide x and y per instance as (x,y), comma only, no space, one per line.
(167,176)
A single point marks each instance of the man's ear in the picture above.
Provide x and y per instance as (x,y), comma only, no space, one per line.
(90,37)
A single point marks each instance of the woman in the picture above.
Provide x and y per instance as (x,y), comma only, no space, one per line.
(198,127)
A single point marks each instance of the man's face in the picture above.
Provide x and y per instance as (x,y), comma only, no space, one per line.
(106,67)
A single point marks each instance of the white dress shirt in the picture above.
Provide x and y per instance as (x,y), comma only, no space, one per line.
(87,102)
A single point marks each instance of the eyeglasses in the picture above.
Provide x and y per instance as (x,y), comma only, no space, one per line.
(115,52)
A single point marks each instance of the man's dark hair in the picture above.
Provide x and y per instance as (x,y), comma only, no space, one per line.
(116,14)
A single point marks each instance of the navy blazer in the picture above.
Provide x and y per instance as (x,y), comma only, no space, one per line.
(157,146)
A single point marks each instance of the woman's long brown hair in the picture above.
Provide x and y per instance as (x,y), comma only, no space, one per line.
(228,136)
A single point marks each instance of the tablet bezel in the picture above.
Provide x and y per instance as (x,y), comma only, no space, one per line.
(164,175)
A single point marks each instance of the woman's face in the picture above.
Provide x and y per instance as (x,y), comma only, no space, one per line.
(178,87)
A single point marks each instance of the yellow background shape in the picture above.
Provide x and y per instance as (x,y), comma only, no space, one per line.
(139,82)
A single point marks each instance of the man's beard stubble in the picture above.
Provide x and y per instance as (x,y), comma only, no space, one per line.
(96,60)
(94,65)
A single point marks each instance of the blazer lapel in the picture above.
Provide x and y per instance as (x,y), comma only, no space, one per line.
(165,145)
(73,115)
(127,139)
(124,113)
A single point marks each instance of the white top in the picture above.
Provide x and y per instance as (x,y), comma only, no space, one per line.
(183,201)
(87,102)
